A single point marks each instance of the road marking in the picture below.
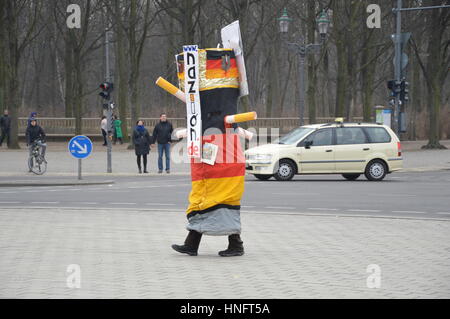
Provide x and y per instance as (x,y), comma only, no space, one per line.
(318,208)
(87,203)
(44,202)
(279,207)
(157,204)
(297,194)
(10,202)
(123,203)
(443,213)
(248,206)
(393,195)
(408,212)
(364,210)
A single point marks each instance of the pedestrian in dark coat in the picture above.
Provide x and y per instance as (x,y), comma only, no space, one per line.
(162,133)
(141,141)
(5,128)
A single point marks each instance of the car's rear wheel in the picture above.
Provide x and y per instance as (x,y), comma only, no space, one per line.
(376,170)
(285,171)
(263,177)
(351,177)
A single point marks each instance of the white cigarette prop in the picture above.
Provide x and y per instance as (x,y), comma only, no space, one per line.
(242,117)
(182,133)
(244,133)
(172,89)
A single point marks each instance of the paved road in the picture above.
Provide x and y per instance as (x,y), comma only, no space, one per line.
(314,237)
(403,195)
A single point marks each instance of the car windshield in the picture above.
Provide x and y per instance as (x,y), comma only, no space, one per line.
(294,136)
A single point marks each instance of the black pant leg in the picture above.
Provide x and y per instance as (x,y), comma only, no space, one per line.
(145,161)
(138,160)
(104,137)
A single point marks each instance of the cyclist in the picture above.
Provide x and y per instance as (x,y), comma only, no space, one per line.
(35,135)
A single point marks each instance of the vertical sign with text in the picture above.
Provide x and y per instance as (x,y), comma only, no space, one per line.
(192,85)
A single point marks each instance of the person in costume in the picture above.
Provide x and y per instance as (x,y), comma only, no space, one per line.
(218,176)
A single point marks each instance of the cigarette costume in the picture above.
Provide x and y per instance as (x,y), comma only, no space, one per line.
(214,202)
(218,168)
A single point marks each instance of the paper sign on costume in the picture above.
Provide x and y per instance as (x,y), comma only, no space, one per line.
(191,88)
(231,39)
(209,153)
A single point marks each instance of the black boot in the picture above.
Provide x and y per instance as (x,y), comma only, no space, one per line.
(235,247)
(191,244)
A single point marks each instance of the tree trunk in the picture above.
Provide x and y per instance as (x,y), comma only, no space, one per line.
(368,77)
(435,68)
(68,70)
(134,67)
(78,96)
(312,72)
(121,77)
(3,58)
(12,71)
(341,85)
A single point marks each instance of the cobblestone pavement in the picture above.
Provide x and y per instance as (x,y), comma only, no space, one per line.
(127,254)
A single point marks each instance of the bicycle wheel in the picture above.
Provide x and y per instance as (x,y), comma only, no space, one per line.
(39,166)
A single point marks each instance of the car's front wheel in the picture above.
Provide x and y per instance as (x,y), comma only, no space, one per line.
(351,177)
(285,171)
(375,170)
(263,177)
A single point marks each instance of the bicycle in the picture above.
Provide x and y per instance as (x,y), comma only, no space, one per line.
(36,162)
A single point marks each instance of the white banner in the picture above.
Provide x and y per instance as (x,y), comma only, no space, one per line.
(231,39)
(191,88)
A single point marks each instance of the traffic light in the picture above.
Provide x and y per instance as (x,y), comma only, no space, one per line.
(394,87)
(404,90)
(106,88)
(391,86)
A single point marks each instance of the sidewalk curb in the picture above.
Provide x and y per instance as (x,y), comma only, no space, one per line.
(424,169)
(56,183)
(14,174)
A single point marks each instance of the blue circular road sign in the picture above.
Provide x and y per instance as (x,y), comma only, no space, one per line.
(80,146)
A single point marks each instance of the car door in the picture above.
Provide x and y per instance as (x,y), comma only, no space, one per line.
(317,152)
(351,150)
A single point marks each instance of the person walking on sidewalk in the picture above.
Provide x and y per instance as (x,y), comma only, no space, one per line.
(162,133)
(5,127)
(141,141)
(104,126)
(117,130)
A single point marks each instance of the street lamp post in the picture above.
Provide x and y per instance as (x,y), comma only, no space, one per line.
(303,50)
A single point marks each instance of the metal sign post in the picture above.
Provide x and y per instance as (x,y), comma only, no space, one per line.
(79,169)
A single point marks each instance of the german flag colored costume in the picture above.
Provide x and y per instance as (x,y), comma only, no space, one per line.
(213,86)
(214,202)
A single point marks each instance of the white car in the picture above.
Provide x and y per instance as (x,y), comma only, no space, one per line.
(350,149)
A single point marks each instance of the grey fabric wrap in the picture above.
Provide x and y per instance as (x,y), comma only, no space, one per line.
(219,222)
